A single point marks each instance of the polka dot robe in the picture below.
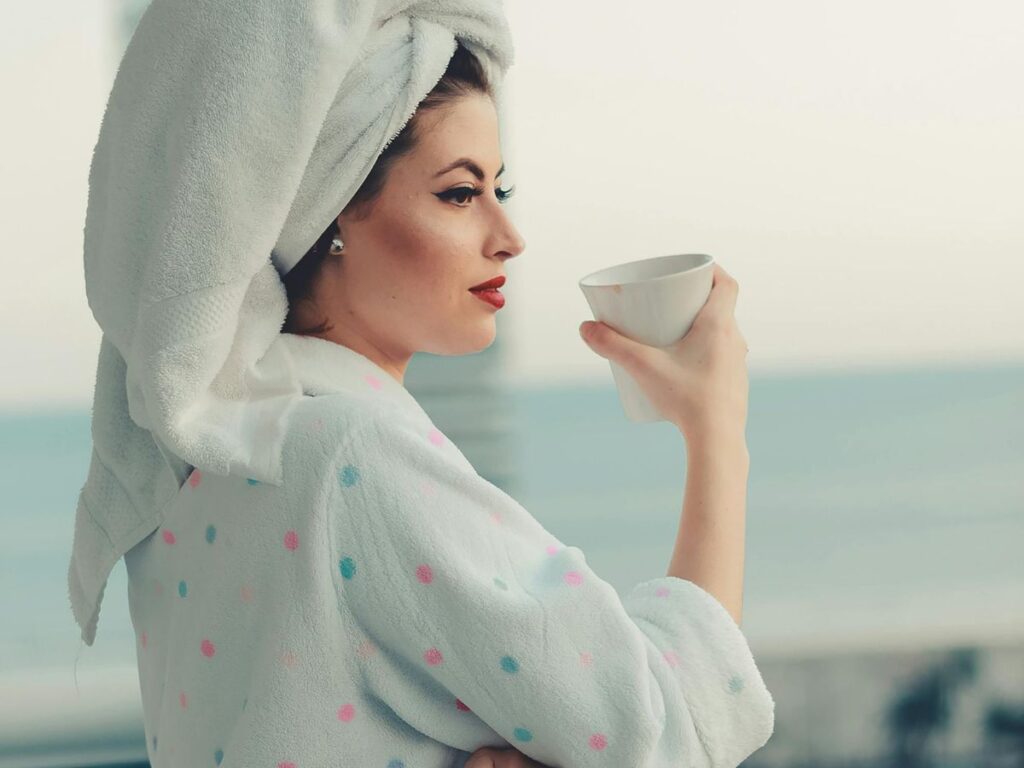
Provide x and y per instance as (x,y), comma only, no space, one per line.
(387,607)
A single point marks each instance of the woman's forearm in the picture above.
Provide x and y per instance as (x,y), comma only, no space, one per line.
(709,549)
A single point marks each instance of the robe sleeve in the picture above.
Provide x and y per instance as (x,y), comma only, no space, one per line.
(491,632)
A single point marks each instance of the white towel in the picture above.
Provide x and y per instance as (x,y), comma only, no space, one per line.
(234,133)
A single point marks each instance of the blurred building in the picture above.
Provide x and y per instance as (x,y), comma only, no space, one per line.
(942,707)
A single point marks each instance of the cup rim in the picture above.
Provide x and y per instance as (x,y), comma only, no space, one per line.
(587,281)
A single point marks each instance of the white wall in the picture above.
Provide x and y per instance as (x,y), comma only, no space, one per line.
(857,166)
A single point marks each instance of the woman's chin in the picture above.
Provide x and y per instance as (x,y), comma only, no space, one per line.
(485,337)
(484,331)
(474,338)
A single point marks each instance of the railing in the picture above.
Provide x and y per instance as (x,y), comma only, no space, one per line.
(46,721)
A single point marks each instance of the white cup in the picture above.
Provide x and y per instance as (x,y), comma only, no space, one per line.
(653,301)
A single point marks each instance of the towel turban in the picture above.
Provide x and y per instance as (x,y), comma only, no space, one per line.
(233,134)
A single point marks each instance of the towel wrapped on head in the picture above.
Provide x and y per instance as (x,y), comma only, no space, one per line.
(234,133)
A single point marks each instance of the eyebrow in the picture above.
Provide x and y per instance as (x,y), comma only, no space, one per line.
(465,162)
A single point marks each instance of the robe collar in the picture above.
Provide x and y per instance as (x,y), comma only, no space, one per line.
(325,367)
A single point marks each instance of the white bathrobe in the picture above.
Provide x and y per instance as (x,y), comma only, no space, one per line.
(387,607)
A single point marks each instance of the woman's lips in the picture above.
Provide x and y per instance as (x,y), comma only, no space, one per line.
(491,295)
(495,282)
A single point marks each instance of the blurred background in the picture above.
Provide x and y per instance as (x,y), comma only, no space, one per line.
(858,167)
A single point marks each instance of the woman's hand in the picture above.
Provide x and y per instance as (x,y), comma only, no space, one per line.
(489,757)
(699,383)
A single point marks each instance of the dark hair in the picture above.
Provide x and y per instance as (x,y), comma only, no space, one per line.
(463,76)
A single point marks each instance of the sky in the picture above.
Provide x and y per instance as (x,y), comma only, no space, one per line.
(856,166)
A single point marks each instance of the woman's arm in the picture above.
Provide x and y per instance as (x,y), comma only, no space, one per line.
(709,548)
(495,633)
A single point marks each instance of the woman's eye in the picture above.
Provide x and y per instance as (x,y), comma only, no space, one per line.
(462,195)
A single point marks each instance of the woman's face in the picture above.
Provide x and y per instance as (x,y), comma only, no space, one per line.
(402,283)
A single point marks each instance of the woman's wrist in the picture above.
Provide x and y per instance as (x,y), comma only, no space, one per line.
(717,436)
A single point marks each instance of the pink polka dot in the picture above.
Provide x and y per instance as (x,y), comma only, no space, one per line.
(672,658)
(207,648)
(158,588)
(552,549)
(316,425)
(366,649)
(661,592)
(435,436)
(598,741)
(574,578)
(169,537)
(246,594)
(346,713)
(424,574)
(286,765)
(496,517)
(586,659)
(144,639)
(433,657)
(373,381)
(183,700)
(460,705)
(291,540)
(195,477)
(428,488)
(288,659)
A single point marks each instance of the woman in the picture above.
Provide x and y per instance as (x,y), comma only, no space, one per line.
(456,617)
(383,604)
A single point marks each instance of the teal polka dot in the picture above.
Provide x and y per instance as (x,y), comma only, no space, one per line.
(348,476)
(252,481)
(500,584)
(347,566)
(735,684)
(182,588)
(154,741)
(522,734)
(396,764)
(509,664)
(244,703)
(218,756)
(211,533)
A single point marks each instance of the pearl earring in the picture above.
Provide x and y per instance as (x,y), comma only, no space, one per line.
(337,246)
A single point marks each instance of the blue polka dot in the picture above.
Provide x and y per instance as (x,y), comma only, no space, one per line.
(252,481)
(396,764)
(218,756)
(522,734)
(182,588)
(211,533)
(500,583)
(348,476)
(735,684)
(244,703)
(509,664)
(347,566)
(154,741)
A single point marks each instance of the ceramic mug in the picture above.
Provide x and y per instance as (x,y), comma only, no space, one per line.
(653,301)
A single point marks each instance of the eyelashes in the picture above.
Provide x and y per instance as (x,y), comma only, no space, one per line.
(464,194)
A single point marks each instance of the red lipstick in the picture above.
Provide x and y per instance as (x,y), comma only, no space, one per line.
(494,282)
(489,292)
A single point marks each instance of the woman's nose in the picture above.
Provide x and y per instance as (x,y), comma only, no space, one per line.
(514,244)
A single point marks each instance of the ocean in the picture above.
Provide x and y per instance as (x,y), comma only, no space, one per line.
(885,510)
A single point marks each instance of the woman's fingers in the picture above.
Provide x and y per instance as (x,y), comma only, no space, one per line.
(488,757)
(721,303)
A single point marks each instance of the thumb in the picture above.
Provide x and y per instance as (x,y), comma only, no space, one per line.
(612,345)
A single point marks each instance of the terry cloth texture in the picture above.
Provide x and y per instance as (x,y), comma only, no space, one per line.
(234,133)
(385,606)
